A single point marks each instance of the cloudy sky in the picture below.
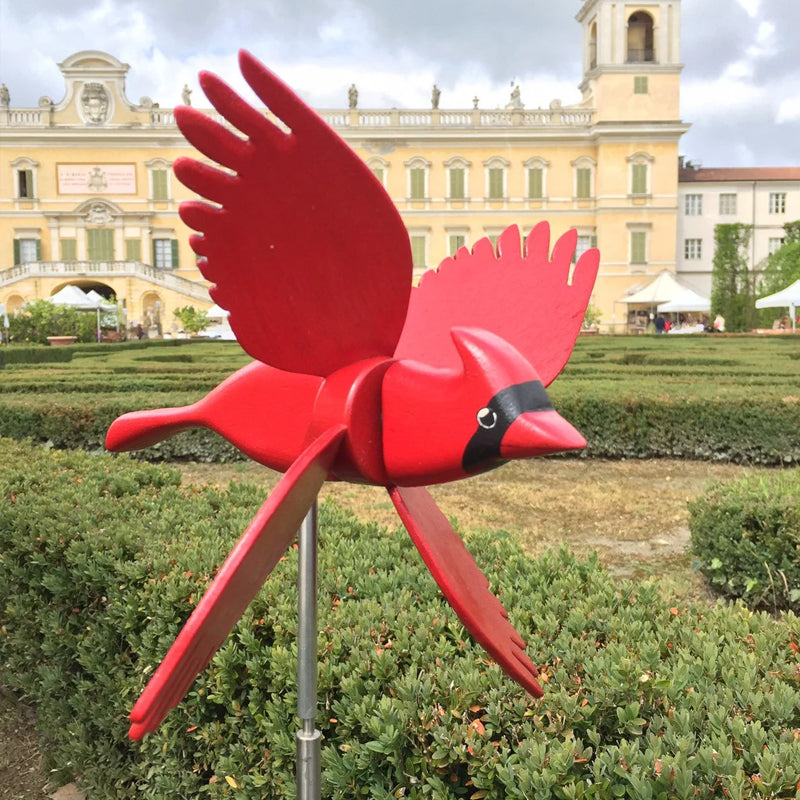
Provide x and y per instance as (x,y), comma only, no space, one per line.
(740,86)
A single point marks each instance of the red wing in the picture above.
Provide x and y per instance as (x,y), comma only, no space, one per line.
(306,250)
(238,581)
(464,586)
(529,299)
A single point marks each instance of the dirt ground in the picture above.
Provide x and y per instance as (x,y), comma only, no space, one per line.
(632,512)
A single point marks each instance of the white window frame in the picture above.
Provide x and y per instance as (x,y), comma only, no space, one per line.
(775,244)
(692,249)
(726,207)
(425,236)
(693,205)
(777,202)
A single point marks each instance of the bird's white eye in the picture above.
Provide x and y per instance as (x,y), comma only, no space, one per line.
(487,418)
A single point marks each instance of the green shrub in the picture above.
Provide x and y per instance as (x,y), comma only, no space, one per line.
(102,559)
(746,538)
(21,354)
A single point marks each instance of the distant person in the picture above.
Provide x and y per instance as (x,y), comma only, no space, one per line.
(139,331)
(719,323)
(660,324)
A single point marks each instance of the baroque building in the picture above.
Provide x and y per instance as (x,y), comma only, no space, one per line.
(88,196)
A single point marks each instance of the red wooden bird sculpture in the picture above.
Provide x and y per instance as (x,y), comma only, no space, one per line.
(357,376)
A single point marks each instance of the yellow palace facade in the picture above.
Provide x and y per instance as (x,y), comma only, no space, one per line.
(87,194)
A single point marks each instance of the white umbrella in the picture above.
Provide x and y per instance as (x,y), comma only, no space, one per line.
(785,298)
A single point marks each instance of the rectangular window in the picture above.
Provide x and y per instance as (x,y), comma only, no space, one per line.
(380,174)
(640,84)
(777,203)
(638,247)
(417,183)
(692,249)
(775,244)
(457,184)
(535,183)
(26,250)
(583,183)
(100,243)
(727,203)
(418,251)
(454,241)
(165,253)
(496,189)
(25,183)
(693,205)
(159,185)
(69,250)
(133,250)
(639,179)
(583,244)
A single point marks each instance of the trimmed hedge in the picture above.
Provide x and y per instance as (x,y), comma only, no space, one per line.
(746,539)
(101,560)
(34,355)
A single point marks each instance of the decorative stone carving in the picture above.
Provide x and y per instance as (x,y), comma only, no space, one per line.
(5,98)
(98,214)
(95,103)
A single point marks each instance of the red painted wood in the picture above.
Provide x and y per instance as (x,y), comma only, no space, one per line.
(310,257)
(464,585)
(238,581)
(302,228)
(527,299)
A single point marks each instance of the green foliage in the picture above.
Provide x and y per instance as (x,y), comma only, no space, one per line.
(20,354)
(782,268)
(746,538)
(732,282)
(41,318)
(102,559)
(192,319)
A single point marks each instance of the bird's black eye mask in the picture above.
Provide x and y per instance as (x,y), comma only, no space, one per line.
(495,419)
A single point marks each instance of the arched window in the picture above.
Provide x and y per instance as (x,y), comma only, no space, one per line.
(640,38)
(593,46)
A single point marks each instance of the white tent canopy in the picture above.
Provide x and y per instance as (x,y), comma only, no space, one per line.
(661,290)
(74,296)
(686,300)
(217,312)
(785,298)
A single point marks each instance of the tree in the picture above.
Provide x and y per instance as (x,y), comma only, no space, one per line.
(732,282)
(781,269)
(192,320)
(41,318)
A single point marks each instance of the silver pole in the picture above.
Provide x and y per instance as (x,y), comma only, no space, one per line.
(309,765)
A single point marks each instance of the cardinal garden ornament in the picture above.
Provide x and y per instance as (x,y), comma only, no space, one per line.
(357,376)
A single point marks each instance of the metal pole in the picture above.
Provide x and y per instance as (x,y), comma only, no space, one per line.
(309,766)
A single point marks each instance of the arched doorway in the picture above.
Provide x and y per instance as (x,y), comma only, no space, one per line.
(640,38)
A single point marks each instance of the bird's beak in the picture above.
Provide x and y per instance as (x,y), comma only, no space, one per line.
(539,433)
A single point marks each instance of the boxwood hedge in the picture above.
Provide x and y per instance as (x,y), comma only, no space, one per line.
(102,559)
(746,539)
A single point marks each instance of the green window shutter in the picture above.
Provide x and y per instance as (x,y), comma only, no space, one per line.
(418,251)
(535,183)
(154,260)
(38,249)
(496,183)
(457,184)
(583,183)
(640,84)
(17,255)
(101,244)
(639,179)
(25,183)
(133,250)
(159,185)
(378,172)
(638,247)
(417,180)
(456,240)
(69,250)
(174,246)
(593,241)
